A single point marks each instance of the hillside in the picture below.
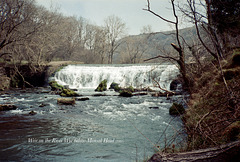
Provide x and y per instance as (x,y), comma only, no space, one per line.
(146,46)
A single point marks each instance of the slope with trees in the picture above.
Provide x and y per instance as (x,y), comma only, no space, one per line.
(213,113)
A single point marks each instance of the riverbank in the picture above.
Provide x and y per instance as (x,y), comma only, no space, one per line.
(213,115)
(34,77)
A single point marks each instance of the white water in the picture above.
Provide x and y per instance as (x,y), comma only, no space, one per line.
(138,76)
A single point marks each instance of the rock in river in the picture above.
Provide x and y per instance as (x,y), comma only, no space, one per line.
(7,107)
(66,101)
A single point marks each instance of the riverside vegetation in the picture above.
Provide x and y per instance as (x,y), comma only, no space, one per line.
(213,114)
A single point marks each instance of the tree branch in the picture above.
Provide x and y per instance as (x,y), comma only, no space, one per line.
(160,56)
(149,10)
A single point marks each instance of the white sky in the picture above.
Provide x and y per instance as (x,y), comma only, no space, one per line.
(130,11)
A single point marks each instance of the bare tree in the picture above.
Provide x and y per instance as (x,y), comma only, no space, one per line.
(178,47)
(14,15)
(115,28)
(146,29)
(132,50)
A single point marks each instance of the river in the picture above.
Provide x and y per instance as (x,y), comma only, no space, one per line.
(103,128)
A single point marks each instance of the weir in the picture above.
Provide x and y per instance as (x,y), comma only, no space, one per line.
(136,75)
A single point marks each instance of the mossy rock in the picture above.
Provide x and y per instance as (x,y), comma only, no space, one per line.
(68,93)
(102,86)
(115,86)
(129,89)
(176,109)
(125,93)
(66,101)
(55,86)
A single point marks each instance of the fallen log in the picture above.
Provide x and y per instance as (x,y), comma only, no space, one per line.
(224,153)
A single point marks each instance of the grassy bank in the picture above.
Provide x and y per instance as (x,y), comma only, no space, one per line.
(213,116)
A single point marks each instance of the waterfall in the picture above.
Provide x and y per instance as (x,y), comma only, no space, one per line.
(138,76)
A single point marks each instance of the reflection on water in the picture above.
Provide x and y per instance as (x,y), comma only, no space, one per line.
(100,129)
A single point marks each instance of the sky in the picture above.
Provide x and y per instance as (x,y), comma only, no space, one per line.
(130,11)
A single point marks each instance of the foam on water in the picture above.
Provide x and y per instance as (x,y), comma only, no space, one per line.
(139,76)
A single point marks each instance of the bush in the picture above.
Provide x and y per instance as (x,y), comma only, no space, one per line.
(176,109)
(102,86)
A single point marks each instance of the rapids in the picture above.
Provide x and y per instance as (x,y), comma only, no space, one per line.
(105,128)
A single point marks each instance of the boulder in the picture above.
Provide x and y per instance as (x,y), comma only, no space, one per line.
(176,109)
(66,101)
(7,107)
(102,86)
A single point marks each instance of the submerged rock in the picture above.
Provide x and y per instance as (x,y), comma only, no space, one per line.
(7,107)
(154,107)
(66,101)
(43,105)
(82,99)
(32,113)
(176,109)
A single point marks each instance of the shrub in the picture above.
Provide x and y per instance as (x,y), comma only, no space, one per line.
(176,109)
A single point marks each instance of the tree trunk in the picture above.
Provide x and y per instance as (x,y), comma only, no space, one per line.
(224,153)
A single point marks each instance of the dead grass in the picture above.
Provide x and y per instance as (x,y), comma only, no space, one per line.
(213,109)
